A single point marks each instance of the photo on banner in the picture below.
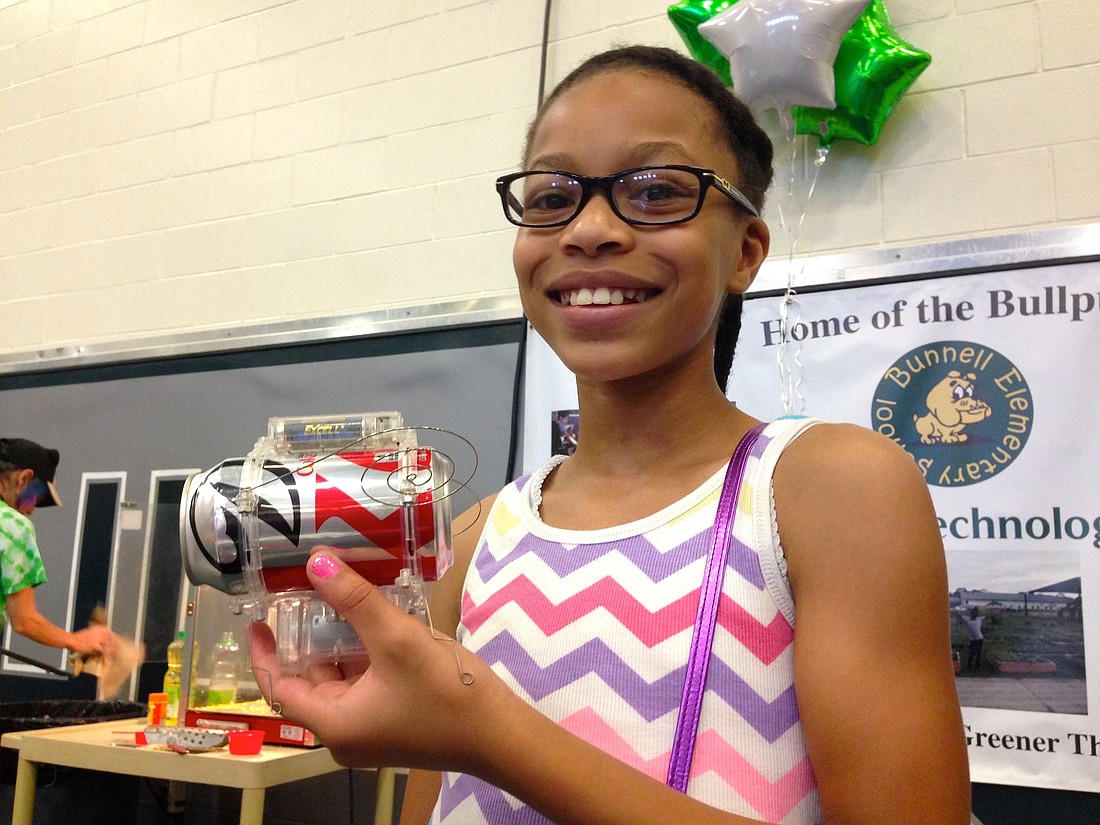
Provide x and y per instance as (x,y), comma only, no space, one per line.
(986,379)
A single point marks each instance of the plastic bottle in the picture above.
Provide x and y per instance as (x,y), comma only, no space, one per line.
(172,679)
(158,706)
(223,672)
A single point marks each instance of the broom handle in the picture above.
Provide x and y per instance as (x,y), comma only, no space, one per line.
(29,661)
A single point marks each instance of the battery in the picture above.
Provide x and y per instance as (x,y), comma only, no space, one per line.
(316,434)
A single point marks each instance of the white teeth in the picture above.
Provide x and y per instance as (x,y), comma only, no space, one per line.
(601,296)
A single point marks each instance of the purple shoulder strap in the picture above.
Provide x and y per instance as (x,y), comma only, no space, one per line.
(691,704)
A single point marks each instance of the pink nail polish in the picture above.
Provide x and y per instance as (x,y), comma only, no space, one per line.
(324,566)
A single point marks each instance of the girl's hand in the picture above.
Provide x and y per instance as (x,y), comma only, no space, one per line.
(417,699)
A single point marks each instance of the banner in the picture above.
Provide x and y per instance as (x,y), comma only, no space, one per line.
(989,382)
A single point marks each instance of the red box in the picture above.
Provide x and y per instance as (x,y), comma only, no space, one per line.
(277,731)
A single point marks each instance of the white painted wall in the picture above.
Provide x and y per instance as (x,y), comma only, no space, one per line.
(172,166)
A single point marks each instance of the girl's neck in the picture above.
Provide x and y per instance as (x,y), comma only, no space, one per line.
(643,444)
(679,417)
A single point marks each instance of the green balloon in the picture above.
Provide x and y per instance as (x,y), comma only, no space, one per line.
(873,69)
(687,17)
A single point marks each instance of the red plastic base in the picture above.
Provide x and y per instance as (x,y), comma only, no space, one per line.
(276,731)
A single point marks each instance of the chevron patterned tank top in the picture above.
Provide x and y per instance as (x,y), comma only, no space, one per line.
(593,628)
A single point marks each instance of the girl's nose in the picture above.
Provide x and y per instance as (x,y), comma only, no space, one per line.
(597,226)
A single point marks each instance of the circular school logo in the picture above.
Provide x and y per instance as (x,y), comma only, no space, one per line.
(962,410)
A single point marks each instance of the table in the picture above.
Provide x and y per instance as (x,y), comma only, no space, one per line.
(108,746)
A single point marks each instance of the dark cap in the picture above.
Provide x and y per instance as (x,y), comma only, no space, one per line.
(24,454)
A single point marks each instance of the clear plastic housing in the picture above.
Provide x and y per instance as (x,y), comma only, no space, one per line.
(358,484)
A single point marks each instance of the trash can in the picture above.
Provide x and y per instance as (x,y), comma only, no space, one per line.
(71,795)
(57,713)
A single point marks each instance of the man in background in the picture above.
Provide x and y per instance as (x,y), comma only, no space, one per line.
(26,483)
(977,639)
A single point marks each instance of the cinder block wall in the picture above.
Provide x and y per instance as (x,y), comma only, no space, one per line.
(169,166)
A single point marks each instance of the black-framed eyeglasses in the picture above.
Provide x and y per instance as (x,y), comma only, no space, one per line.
(647,196)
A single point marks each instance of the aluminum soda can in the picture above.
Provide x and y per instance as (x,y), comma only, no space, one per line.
(249,525)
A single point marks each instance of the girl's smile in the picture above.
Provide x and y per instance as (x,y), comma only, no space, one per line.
(603,296)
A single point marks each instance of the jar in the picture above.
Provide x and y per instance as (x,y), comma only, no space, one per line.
(158,708)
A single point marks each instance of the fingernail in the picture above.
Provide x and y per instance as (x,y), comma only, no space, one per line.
(324,566)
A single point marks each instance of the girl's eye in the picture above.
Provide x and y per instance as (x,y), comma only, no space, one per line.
(549,195)
(658,193)
(549,200)
(658,190)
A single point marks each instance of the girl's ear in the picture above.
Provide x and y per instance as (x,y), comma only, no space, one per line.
(754,249)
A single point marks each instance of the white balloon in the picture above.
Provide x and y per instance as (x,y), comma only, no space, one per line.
(781,52)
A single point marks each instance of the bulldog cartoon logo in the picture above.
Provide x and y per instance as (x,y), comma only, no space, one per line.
(961,409)
(951,407)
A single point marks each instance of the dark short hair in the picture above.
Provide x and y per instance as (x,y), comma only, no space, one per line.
(737,128)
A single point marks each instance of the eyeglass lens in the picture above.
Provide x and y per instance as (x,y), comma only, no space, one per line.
(655,195)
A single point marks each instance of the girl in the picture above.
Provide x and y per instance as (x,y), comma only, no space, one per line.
(580,596)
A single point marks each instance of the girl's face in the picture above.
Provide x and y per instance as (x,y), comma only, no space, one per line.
(673,278)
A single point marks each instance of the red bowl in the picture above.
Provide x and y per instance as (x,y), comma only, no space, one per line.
(245,742)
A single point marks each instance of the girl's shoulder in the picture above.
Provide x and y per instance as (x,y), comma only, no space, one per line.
(844,493)
(843,454)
